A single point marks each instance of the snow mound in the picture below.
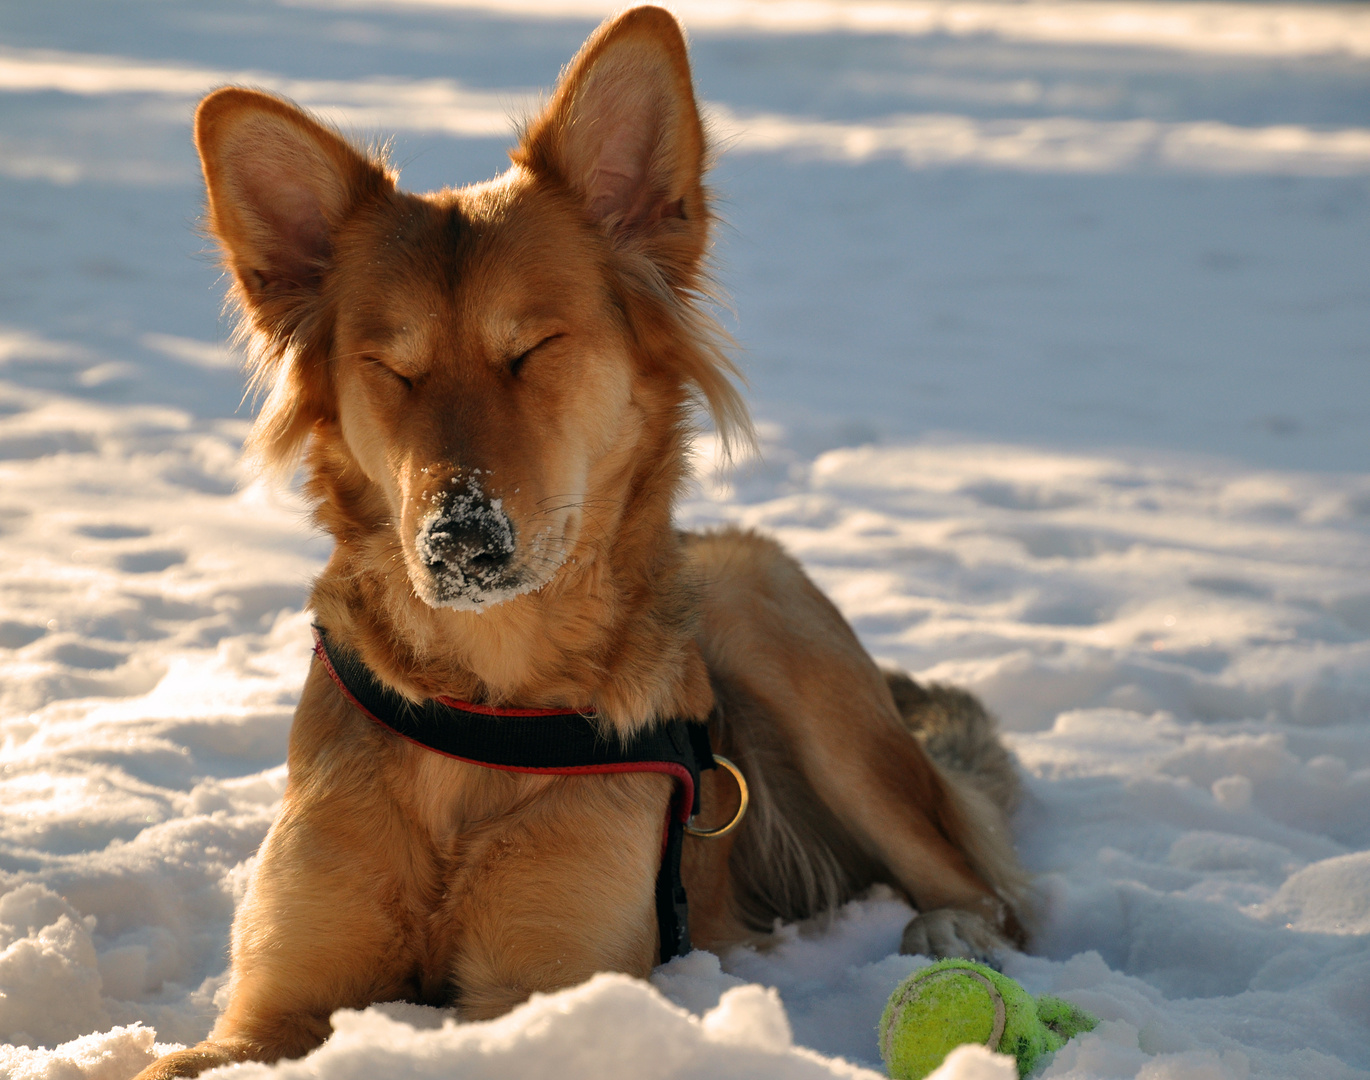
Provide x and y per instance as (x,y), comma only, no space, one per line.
(610,1026)
(104,1055)
(49,979)
(1329,897)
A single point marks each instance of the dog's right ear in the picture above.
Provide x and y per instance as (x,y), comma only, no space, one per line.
(279,187)
(279,184)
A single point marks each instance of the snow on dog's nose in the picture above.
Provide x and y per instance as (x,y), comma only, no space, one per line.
(466,544)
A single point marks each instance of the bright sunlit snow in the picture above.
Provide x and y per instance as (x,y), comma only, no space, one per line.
(1057,322)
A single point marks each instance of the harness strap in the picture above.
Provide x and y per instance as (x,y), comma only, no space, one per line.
(544,741)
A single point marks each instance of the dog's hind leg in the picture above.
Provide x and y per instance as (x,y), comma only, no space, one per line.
(961,737)
(785,660)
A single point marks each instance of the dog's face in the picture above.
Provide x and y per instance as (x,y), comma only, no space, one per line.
(486,364)
(482,383)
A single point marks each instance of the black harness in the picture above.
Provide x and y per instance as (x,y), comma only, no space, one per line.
(545,741)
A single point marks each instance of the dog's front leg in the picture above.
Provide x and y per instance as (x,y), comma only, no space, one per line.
(317,932)
(565,890)
(333,916)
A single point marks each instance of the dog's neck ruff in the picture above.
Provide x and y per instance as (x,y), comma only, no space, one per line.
(544,741)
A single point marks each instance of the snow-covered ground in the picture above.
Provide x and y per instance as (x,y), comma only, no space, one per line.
(1057,318)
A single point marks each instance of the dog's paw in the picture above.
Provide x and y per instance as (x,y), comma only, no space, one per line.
(194,1060)
(951,933)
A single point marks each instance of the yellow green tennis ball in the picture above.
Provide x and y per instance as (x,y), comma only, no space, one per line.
(953,1002)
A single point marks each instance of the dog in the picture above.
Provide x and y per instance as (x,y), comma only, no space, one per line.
(493,391)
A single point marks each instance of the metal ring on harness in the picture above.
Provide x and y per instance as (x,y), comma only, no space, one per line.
(724,830)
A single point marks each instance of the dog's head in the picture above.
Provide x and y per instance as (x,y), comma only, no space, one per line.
(482,371)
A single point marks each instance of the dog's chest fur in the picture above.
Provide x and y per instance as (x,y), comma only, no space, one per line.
(452,843)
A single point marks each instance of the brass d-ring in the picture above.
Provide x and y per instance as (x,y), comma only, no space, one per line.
(724,830)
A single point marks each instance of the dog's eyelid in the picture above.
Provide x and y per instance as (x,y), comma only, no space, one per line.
(376,361)
(517,362)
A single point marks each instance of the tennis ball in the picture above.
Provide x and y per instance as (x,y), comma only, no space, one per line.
(953,1002)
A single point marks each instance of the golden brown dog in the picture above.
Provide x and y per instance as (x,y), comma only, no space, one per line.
(492,390)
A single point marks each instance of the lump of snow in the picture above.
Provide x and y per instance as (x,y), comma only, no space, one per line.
(105,1055)
(1233,792)
(610,1026)
(49,980)
(1109,1050)
(1328,897)
(1198,1065)
(976,1063)
(694,981)
(750,1016)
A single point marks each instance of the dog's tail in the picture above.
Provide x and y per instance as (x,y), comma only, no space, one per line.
(960,735)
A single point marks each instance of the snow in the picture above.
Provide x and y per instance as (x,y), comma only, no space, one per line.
(1056,320)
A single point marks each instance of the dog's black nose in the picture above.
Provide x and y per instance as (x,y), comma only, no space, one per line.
(471,538)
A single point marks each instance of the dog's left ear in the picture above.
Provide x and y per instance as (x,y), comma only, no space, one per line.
(622,131)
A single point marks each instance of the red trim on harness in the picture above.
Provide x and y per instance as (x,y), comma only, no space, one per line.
(497,710)
(680,804)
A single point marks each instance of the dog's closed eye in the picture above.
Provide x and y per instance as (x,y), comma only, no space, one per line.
(376,362)
(516,364)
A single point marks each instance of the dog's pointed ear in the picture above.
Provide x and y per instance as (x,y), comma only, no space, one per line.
(279,184)
(623,132)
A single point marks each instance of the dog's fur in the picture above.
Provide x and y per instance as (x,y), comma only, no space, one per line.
(492,390)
